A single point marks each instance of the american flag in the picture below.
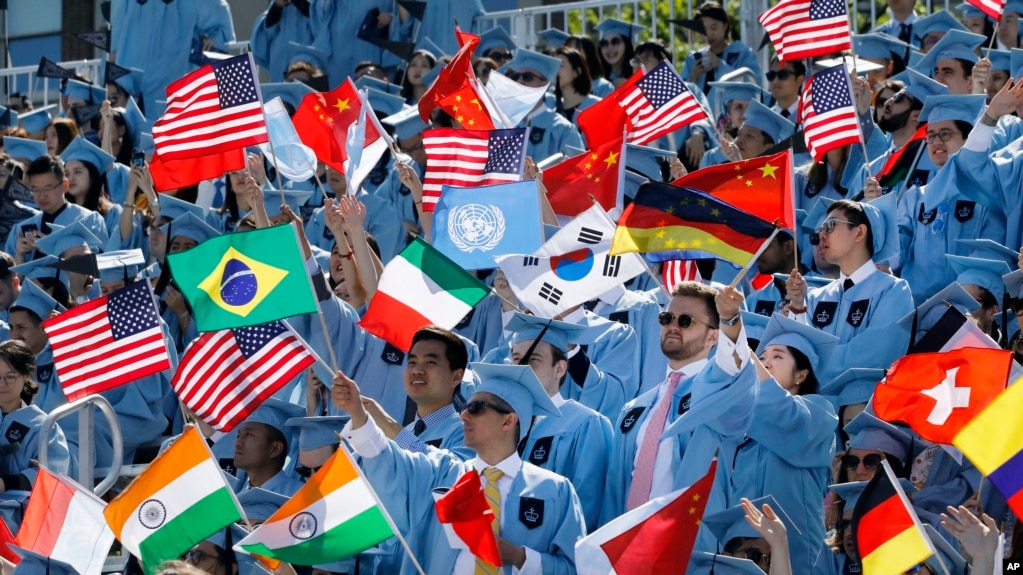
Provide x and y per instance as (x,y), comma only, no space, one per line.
(807,28)
(659,103)
(470,158)
(827,112)
(674,272)
(108,342)
(225,375)
(993,8)
(214,109)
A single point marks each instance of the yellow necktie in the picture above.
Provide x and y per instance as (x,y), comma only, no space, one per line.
(490,490)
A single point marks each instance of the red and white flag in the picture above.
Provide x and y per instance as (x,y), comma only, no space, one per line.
(469,158)
(807,28)
(108,342)
(63,520)
(657,104)
(992,8)
(214,109)
(225,375)
(827,112)
(674,272)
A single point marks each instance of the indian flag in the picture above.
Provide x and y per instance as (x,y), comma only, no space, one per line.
(179,500)
(420,287)
(334,516)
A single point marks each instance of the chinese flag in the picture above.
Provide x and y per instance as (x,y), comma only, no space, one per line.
(761,186)
(605,121)
(176,174)
(466,508)
(322,121)
(597,172)
(466,107)
(936,394)
(453,77)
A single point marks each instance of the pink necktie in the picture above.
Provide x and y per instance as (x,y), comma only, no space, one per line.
(643,475)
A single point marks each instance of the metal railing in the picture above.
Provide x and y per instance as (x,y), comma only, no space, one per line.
(44,91)
(86,435)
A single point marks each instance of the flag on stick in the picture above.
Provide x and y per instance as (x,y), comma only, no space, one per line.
(470,158)
(827,112)
(466,509)
(658,104)
(597,172)
(807,28)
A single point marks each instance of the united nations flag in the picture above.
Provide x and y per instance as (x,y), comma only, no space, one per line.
(244,279)
(474,225)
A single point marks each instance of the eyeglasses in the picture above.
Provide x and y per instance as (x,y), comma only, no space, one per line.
(943,135)
(526,77)
(828,225)
(10,378)
(306,472)
(851,462)
(476,407)
(498,55)
(197,556)
(780,74)
(754,555)
(616,41)
(684,320)
(47,189)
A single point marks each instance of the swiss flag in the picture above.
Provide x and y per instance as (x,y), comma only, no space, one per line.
(936,394)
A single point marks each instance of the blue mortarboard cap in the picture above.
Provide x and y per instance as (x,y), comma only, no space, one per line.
(632,183)
(620,27)
(991,250)
(549,231)
(378,84)
(878,46)
(731,523)
(82,91)
(430,46)
(982,272)
(33,563)
(276,413)
(940,21)
(23,148)
(171,208)
(1000,59)
(316,432)
(546,65)
(868,432)
(120,264)
(519,387)
(884,226)
(134,120)
(850,492)
(922,87)
(8,117)
(1014,6)
(528,327)
(967,107)
(37,120)
(1016,62)
(816,345)
(289,92)
(145,143)
(554,37)
(647,161)
(190,226)
(385,103)
(406,123)
(33,298)
(85,151)
(930,311)
(958,44)
(1014,284)
(73,235)
(260,504)
(496,37)
(294,198)
(768,121)
(743,74)
(811,281)
(755,325)
(38,268)
(703,562)
(306,53)
(817,213)
(950,558)
(968,10)
(854,385)
(131,82)
(729,91)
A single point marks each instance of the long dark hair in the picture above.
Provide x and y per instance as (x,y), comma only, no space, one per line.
(96,192)
(589,50)
(23,362)
(810,385)
(582,84)
(630,51)
(66,130)
(817,176)
(406,86)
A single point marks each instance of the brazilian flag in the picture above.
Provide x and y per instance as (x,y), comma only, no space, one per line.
(244,278)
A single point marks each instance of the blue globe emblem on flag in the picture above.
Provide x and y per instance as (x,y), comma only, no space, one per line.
(474,227)
(574,265)
(238,284)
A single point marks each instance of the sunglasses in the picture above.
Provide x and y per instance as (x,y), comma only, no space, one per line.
(477,406)
(306,472)
(684,320)
(497,55)
(616,41)
(842,524)
(780,74)
(754,555)
(851,462)
(527,77)
(828,225)
(900,97)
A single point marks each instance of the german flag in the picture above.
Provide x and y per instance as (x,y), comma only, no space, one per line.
(889,536)
(665,218)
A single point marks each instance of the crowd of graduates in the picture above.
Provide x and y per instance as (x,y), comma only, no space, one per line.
(627,397)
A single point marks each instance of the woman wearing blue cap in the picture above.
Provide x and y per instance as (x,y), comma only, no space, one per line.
(721,55)
(114,136)
(616,49)
(89,170)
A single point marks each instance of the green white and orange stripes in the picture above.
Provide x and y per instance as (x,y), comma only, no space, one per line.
(179,500)
(334,516)
(419,287)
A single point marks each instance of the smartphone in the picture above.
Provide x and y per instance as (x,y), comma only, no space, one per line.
(30,230)
(138,159)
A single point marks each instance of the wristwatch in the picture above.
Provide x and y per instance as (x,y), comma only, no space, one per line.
(733,321)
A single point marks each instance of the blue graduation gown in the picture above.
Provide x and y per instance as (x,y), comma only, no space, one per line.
(861,318)
(157,37)
(274,28)
(410,477)
(447,435)
(336,31)
(736,55)
(282,483)
(602,87)
(639,310)
(438,25)
(575,446)
(549,133)
(483,324)
(68,216)
(994,181)
(19,440)
(768,299)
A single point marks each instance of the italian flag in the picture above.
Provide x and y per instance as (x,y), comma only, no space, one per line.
(334,516)
(179,500)
(420,287)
